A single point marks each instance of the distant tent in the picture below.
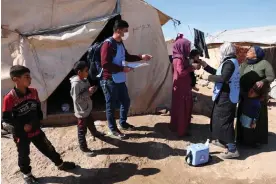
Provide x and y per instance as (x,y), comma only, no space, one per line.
(56,34)
(244,38)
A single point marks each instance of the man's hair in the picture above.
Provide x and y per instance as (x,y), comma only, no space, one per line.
(18,71)
(120,24)
(194,53)
(79,66)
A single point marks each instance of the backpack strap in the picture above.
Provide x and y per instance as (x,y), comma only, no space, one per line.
(190,157)
(113,44)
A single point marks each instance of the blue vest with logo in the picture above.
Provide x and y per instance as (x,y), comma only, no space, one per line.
(234,83)
(119,77)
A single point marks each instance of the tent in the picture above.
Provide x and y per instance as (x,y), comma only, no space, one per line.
(243,39)
(262,36)
(50,36)
(169,43)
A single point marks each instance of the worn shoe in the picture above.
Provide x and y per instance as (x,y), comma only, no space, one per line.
(30,179)
(4,132)
(88,152)
(127,126)
(117,135)
(217,143)
(97,134)
(230,155)
(66,166)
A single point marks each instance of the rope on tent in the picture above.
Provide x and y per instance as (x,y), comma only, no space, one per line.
(52,14)
(191,32)
(175,24)
(13,31)
(33,49)
(214,37)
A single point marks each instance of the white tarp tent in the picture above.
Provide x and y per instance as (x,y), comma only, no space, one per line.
(55,34)
(169,43)
(263,36)
(258,35)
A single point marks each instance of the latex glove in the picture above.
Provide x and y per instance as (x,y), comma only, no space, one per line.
(203,63)
(146,57)
(260,84)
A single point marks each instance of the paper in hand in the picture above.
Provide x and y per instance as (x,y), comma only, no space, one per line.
(136,65)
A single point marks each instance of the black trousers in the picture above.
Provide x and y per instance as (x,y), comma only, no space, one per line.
(83,124)
(42,144)
(222,121)
(193,77)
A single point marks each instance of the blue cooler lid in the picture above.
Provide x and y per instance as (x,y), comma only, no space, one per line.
(198,147)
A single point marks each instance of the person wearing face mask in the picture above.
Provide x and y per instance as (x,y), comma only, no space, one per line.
(114,77)
(256,72)
(225,98)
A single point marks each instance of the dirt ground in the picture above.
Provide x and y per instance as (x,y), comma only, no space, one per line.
(152,155)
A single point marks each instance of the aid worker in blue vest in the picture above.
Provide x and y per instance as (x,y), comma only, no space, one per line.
(225,98)
(114,78)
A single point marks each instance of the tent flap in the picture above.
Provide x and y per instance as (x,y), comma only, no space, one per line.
(58,33)
(149,87)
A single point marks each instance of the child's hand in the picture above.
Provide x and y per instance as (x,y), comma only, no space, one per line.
(92,89)
(202,63)
(253,125)
(28,128)
(196,66)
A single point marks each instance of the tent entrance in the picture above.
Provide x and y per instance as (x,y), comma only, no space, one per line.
(62,96)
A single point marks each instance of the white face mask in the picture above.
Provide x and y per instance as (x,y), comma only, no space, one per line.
(126,34)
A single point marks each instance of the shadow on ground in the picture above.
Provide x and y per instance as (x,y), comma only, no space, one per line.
(265,148)
(271,104)
(203,106)
(116,172)
(198,133)
(151,150)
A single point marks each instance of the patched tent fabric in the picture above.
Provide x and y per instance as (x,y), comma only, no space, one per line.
(51,54)
(150,85)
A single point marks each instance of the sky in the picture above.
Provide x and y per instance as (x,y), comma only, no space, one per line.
(212,16)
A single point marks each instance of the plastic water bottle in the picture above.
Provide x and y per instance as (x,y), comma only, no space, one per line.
(207,142)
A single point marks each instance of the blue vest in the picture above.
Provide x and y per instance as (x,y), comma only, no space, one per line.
(119,77)
(234,83)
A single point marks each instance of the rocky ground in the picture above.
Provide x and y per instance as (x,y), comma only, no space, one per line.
(151,155)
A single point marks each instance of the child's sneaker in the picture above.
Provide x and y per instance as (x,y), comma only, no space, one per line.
(30,179)
(117,135)
(127,126)
(66,166)
(88,152)
(230,155)
(218,144)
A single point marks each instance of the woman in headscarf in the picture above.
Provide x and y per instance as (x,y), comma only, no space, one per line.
(182,99)
(225,97)
(256,72)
